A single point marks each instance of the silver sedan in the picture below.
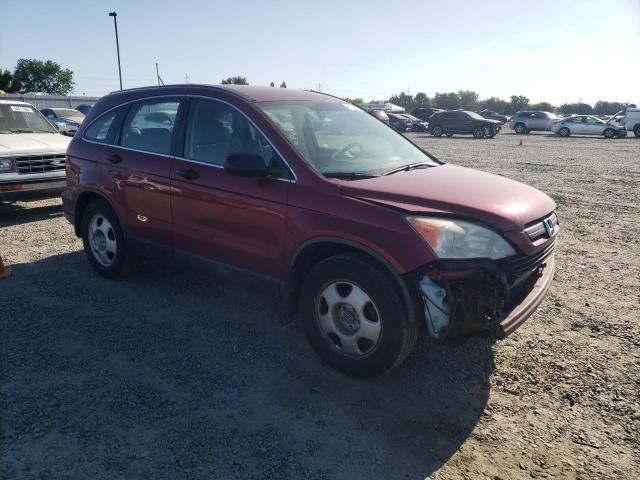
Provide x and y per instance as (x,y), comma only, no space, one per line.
(586,125)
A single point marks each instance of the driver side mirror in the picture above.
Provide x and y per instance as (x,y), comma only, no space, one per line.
(249,165)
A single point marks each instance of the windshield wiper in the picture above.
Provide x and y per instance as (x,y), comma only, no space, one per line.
(22,130)
(349,175)
(411,166)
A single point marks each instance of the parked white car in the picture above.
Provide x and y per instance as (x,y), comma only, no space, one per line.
(32,154)
(587,125)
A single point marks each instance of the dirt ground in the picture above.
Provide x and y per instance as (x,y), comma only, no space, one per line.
(176,376)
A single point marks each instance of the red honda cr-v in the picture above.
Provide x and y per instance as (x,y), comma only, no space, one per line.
(367,237)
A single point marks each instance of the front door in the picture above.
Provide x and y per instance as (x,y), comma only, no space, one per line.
(237,221)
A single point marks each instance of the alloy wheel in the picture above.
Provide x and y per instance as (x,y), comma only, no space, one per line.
(102,240)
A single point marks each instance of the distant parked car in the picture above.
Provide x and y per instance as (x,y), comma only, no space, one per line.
(494,116)
(587,125)
(399,122)
(32,154)
(380,115)
(525,122)
(416,124)
(84,109)
(67,120)
(425,113)
(462,121)
(632,120)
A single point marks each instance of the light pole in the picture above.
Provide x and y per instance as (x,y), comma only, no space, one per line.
(115,24)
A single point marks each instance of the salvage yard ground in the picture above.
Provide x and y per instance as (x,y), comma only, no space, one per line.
(175,376)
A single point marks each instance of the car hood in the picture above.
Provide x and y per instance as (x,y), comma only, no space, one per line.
(452,190)
(24,143)
(491,120)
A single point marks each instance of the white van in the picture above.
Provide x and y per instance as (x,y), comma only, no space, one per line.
(632,120)
(32,153)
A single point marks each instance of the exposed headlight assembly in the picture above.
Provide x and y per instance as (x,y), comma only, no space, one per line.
(6,165)
(459,239)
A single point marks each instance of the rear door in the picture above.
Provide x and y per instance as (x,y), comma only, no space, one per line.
(233,220)
(139,166)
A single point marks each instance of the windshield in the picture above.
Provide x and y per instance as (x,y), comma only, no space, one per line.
(339,138)
(22,119)
(69,113)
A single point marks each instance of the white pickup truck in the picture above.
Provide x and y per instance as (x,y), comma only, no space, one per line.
(32,154)
(632,120)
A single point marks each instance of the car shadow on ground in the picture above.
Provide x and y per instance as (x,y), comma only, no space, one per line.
(21,213)
(172,375)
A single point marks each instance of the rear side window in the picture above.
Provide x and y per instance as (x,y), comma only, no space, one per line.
(149,125)
(100,128)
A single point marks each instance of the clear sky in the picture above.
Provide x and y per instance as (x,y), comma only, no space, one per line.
(558,51)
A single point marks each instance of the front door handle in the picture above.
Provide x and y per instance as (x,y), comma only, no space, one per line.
(188,174)
(114,158)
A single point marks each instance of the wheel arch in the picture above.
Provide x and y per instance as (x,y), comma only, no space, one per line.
(313,251)
(85,198)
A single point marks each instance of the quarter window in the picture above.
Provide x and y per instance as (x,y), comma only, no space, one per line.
(149,126)
(99,129)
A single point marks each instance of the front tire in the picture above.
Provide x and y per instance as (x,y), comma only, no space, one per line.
(609,133)
(104,241)
(436,131)
(354,316)
(564,132)
(478,132)
(636,131)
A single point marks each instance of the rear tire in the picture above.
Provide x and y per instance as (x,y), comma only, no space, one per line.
(436,131)
(354,316)
(520,128)
(609,133)
(104,241)
(636,130)
(564,132)
(478,132)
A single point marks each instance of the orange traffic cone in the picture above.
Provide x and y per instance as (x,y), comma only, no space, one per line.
(4,272)
(520,144)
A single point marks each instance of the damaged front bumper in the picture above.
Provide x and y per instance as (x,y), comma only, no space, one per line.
(467,296)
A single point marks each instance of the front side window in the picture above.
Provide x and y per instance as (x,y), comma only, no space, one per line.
(216,130)
(23,119)
(338,138)
(149,125)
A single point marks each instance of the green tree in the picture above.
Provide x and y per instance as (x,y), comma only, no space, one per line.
(237,80)
(6,79)
(468,99)
(33,75)
(604,108)
(494,104)
(542,106)
(403,100)
(518,103)
(576,108)
(421,100)
(446,101)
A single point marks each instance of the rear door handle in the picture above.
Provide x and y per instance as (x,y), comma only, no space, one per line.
(188,174)
(114,158)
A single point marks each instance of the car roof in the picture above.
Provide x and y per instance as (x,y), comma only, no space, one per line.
(14,102)
(248,92)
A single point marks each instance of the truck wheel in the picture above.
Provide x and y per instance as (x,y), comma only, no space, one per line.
(636,130)
(354,316)
(104,241)
(478,132)
(520,128)
(609,133)
(564,132)
(436,131)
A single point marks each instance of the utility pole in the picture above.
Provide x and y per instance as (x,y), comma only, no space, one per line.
(115,24)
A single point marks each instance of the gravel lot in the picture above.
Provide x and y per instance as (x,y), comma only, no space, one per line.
(174,376)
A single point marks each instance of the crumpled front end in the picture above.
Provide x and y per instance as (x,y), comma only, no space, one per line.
(469,296)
